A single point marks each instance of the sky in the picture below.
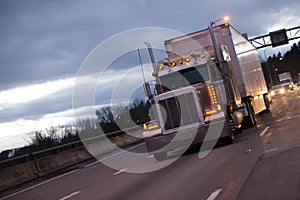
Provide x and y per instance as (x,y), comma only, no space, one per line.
(44,43)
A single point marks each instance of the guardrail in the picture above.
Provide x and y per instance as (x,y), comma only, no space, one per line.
(60,148)
(27,167)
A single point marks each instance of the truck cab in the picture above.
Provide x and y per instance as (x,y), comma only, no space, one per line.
(192,98)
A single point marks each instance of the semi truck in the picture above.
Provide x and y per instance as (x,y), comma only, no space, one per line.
(285,80)
(200,97)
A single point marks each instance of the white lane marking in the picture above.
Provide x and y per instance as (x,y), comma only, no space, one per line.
(150,156)
(91,164)
(37,185)
(110,156)
(279,111)
(269,134)
(264,131)
(70,195)
(291,117)
(120,171)
(270,150)
(214,194)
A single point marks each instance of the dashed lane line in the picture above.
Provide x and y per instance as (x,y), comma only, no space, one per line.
(37,185)
(60,176)
(264,131)
(214,194)
(70,195)
(120,171)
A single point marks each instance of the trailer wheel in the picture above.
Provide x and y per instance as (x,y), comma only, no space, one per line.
(160,156)
(250,120)
(267,103)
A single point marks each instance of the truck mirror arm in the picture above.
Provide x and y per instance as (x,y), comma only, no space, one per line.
(224,70)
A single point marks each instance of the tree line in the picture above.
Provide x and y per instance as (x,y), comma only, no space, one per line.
(118,117)
(107,118)
(287,62)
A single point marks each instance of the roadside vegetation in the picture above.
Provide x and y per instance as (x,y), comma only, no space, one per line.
(108,119)
(287,62)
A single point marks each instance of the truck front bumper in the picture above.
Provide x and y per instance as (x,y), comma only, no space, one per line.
(186,138)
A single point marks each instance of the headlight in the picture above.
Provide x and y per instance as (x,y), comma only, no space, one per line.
(282,91)
(151,125)
(151,129)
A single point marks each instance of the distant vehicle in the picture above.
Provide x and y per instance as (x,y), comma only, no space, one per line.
(286,81)
(277,90)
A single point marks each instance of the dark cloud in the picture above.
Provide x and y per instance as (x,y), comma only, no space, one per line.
(49,39)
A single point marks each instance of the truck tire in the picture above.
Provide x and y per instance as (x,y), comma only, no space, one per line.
(228,139)
(160,156)
(267,103)
(250,120)
(234,129)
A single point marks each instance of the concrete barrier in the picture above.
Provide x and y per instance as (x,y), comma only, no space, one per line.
(47,165)
(39,167)
(17,174)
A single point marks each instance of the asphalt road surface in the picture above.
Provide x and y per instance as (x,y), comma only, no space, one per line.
(263,163)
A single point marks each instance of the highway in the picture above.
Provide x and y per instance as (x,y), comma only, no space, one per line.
(263,163)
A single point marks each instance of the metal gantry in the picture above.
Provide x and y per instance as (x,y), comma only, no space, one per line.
(284,35)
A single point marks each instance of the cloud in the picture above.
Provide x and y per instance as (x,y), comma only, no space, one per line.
(33,101)
(44,41)
(22,126)
(24,94)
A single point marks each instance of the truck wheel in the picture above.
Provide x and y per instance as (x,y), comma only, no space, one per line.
(267,103)
(250,120)
(228,139)
(237,131)
(160,156)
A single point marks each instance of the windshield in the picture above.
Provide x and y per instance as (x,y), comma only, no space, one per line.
(285,81)
(189,76)
(276,87)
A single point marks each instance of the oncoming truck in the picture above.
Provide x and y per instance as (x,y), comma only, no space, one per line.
(201,97)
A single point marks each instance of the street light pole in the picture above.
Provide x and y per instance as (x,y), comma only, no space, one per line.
(223,66)
(219,57)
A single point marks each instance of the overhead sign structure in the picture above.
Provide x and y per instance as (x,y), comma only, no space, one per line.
(276,38)
(279,38)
